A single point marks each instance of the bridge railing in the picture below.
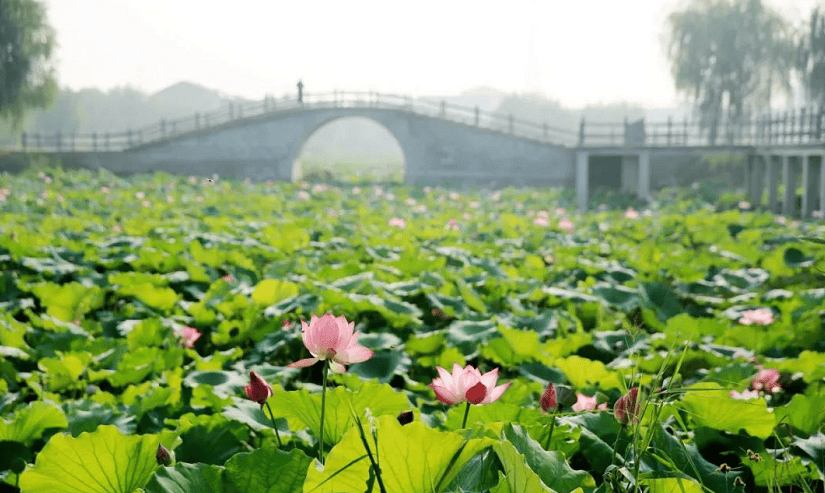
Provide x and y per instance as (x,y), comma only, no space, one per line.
(803,126)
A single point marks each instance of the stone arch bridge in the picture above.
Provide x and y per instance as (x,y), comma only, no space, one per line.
(449,144)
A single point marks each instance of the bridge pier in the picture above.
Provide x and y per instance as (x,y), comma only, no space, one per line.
(582,179)
(755,173)
(771,181)
(789,180)
(810,182)
(644,175)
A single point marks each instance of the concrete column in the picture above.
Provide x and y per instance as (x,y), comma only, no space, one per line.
(789,178)
(630,174)
(810,178)
(757,183)
(822,183)
(582,179)
(644,175)
(771,182)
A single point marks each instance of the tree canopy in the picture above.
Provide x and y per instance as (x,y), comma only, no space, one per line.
(811,60)
(729,56)
(26,43)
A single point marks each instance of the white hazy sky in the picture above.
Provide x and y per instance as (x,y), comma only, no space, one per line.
(576,51)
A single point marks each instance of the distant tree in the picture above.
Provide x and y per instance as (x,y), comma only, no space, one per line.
(811,58)
(26,43)
(729,56)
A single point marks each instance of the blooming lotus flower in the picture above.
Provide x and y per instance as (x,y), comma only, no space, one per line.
(767,380)
(548,401)
(631,213)
(257,390)
(397,222)
(541,221)
(627,408)
(566,225)
(188,336)
(332,338)
(467,385)
(745,395)
(760,316)
(585,403)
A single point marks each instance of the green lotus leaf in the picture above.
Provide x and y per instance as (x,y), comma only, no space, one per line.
(104,461)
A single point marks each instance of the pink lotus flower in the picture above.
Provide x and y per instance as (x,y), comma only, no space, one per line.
(767,380)
(585,403)
(541,221)
(548,400)
(745,395)
(188,336)
(397,222)
(566,225)
(627,408)
(760,316)
(331,338)
(452,224)
(631,213)
(467,385)
(257,390)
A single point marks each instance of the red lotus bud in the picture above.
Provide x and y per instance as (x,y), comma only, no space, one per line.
(548,399)
(627,408)
(257,390)
(405,417)
(162,456)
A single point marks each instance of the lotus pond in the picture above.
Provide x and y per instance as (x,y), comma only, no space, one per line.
(679,347)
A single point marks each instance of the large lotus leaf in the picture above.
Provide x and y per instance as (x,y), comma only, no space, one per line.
(550,466)
(29,423)
(794,258)
(683,327)
(494,413)
(267,470)
(672,485)
(517,475)
(214,443)
(814,447)
(478,474)
(583,373)
(414,459)
(810,363)
(187,478)
(103,461)
(708,404)
(382,366)
(159,298)
(302,408)
(671,456)
(468,336)
(70,301)
(805,413)
(271,291)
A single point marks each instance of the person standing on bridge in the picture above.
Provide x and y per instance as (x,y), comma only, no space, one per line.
(300,91)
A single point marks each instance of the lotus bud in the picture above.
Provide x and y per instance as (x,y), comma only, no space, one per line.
(548,400)
(163,456)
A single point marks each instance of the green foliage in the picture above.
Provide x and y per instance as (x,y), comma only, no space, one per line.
(104,461)
(728,55)
(26,44)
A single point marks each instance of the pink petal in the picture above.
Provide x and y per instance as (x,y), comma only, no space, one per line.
(444,395)
(303,363)
(326,333)
(337,367)
(344,332)
(489,379)
(496,393)
(446,378)
(357,354)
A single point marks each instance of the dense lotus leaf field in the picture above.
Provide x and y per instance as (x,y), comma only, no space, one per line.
(133,311)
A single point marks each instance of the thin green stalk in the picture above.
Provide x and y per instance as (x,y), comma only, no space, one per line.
(550,435)
(466,412)
(323,405)
(272,418)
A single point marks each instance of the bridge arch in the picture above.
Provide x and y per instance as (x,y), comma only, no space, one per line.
(384,132)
